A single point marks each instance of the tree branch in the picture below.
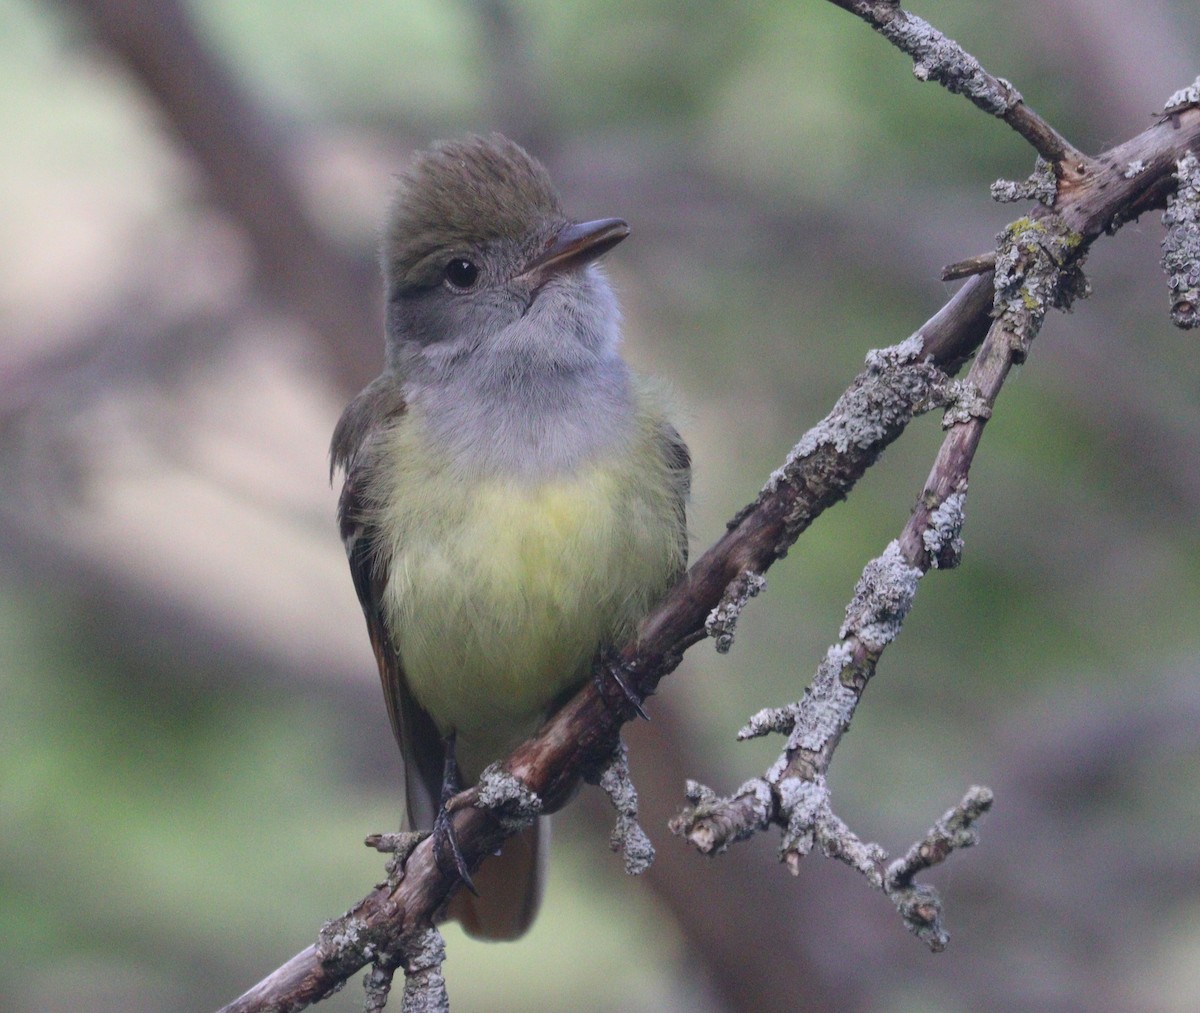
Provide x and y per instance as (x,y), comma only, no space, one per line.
(938,58)
(1181,245)
(581,737)
(1037,268)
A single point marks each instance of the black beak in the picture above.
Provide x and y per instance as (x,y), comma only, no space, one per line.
(574,246)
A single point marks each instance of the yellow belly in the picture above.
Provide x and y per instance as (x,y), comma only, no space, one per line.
(501,592)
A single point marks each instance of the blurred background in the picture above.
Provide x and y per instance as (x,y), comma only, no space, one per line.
(192,739)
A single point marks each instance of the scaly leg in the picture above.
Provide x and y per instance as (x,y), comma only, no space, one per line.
(443,829)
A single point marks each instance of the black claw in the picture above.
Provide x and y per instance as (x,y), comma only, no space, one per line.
(443,828)
(445,842)
(614,672)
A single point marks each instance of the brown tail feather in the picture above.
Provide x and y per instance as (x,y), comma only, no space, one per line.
(510,888)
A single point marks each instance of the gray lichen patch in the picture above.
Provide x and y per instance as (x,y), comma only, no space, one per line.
(892,389)
(1041,186)
(627,837)
(941,59)
(1181,244)
(1038,268)
(1183,99)
(943,538)
(346,935)
(882,599)
(828,703)
(804,802)
(722,620)
(966,402)
(506,798)
(424,985)
(911,349)
(770,720)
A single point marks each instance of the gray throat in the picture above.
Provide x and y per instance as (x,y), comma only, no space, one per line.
(504,412)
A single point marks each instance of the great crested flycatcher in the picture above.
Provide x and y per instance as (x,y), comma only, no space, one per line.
(514,496)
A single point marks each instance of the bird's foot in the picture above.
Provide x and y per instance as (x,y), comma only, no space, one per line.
(611,669)
(445,844)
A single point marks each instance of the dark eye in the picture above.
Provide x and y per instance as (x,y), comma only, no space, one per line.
(461,273)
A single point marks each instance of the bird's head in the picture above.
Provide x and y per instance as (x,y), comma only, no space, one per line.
(478,253)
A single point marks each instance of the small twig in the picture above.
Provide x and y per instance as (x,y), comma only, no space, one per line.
(399,846)
(979,264)
(941,59)
(399,843)
(722,620)
(956,829)
(1037,268)
(713,823)
(918,904)
(1181,244)
(627,837)
(377,983)
(424,985)
(1041,186)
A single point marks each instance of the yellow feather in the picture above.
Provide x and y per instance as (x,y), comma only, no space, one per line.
(502,590)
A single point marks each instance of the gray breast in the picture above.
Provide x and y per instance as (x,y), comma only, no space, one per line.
(533,420)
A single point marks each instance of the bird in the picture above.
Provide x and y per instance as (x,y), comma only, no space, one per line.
(514,495)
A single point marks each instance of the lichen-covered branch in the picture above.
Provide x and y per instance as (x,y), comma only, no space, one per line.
(712,824)
(377,984)
(722,620)
(918,904)
(580,738)
(424,986)
(1181,244)
(956,829)
(938,58)
(1041,186)
(627,837)
(1037,269)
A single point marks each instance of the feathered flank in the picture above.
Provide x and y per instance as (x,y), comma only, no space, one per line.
(458,195)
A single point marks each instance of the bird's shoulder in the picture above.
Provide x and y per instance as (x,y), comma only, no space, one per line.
(358,433)
(377,407)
